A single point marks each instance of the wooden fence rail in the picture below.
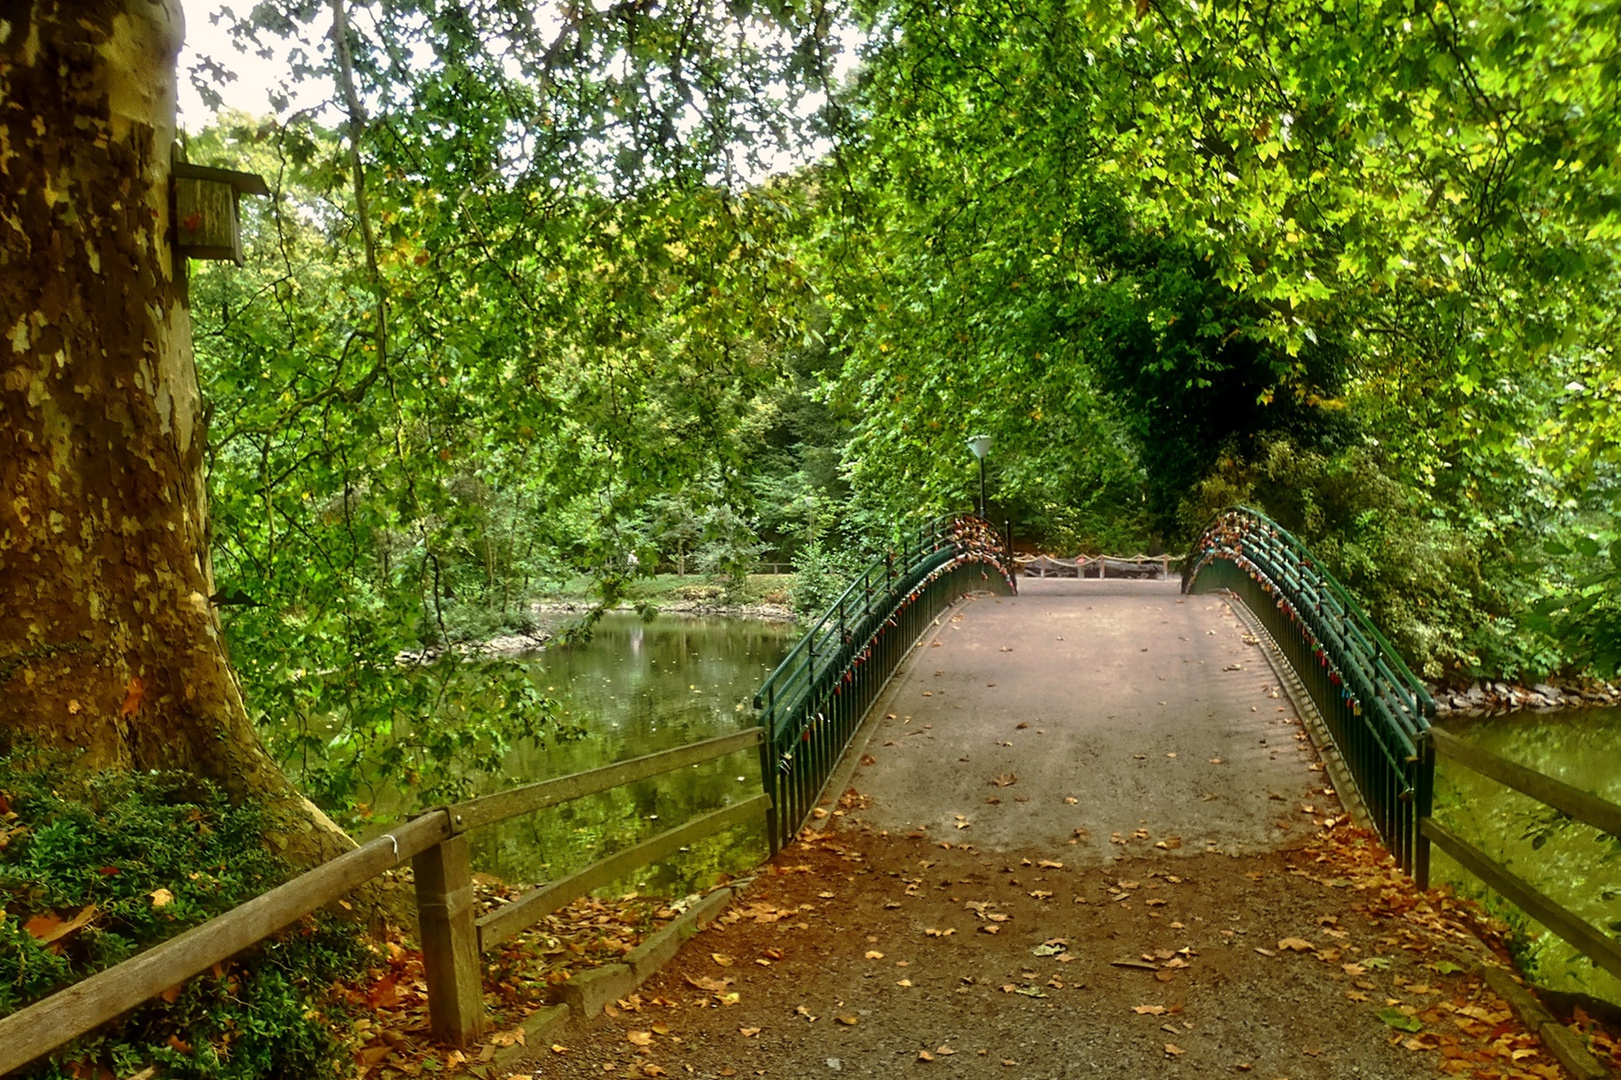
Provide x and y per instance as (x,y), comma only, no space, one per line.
(1581,805)
(453,936)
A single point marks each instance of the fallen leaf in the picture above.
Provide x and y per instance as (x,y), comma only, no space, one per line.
(1140,965)
(49,927)
(640,1038)
(1173,1050)
(847,1019)
(904,982)
(747,1033)
(874,954)
(1400,1021)
(1148,1010)
(721,958)
(924,1055)
(1070,800)
(1296,944)
(161,897)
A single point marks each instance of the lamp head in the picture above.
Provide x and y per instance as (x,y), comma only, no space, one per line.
(980,445)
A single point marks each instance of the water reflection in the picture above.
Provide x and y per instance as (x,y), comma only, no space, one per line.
(635,688)
(1575,865)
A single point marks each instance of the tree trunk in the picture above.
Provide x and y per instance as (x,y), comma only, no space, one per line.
(108,640)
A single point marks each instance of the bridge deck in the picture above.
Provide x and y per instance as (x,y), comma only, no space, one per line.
(1151,710)
(1251,944)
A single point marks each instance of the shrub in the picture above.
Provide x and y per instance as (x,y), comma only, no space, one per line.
(820,575)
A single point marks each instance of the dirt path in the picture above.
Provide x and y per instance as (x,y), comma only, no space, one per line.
(1091,895)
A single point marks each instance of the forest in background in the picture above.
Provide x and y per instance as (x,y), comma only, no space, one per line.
(535,301)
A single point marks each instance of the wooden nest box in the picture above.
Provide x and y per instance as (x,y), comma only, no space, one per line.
(207,225)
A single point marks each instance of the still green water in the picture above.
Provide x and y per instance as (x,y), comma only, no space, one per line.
(1571,863)
(634,688)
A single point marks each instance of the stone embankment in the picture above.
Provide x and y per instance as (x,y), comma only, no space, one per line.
(1483,697)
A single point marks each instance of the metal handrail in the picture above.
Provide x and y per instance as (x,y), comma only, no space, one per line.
(1375,709)
(811,704)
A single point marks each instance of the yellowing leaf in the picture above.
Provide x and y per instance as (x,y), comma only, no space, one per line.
(161,897)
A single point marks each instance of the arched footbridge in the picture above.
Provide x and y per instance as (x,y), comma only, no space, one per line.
(1091,826)
(1052,827)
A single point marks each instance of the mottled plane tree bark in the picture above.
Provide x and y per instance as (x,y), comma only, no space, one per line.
(108,641)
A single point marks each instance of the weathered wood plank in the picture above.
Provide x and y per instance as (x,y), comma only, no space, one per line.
(489,809)
(1595,945)
(450,954)
(1581,805)
(536,904)
(67,1014)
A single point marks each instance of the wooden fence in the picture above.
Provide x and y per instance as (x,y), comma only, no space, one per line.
(453,935)
(1597,946)
(1097,566)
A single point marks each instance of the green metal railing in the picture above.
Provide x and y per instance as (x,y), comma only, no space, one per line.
(1375,709)
(811,705)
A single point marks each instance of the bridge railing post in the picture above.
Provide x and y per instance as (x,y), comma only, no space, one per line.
(1423,807)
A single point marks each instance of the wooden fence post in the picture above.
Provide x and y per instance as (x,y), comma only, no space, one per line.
(453,968)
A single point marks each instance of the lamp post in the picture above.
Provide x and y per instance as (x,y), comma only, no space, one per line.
(980,445)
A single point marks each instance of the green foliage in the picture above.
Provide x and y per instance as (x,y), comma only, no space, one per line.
(1424,582)
(1139,246)
(821,574)
(141,858)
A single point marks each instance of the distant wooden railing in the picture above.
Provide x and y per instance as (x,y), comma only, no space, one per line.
(453,936)
(1098,566)
(1584,806)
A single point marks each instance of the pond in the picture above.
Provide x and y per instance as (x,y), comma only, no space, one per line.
(637,687)
(1572,863)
